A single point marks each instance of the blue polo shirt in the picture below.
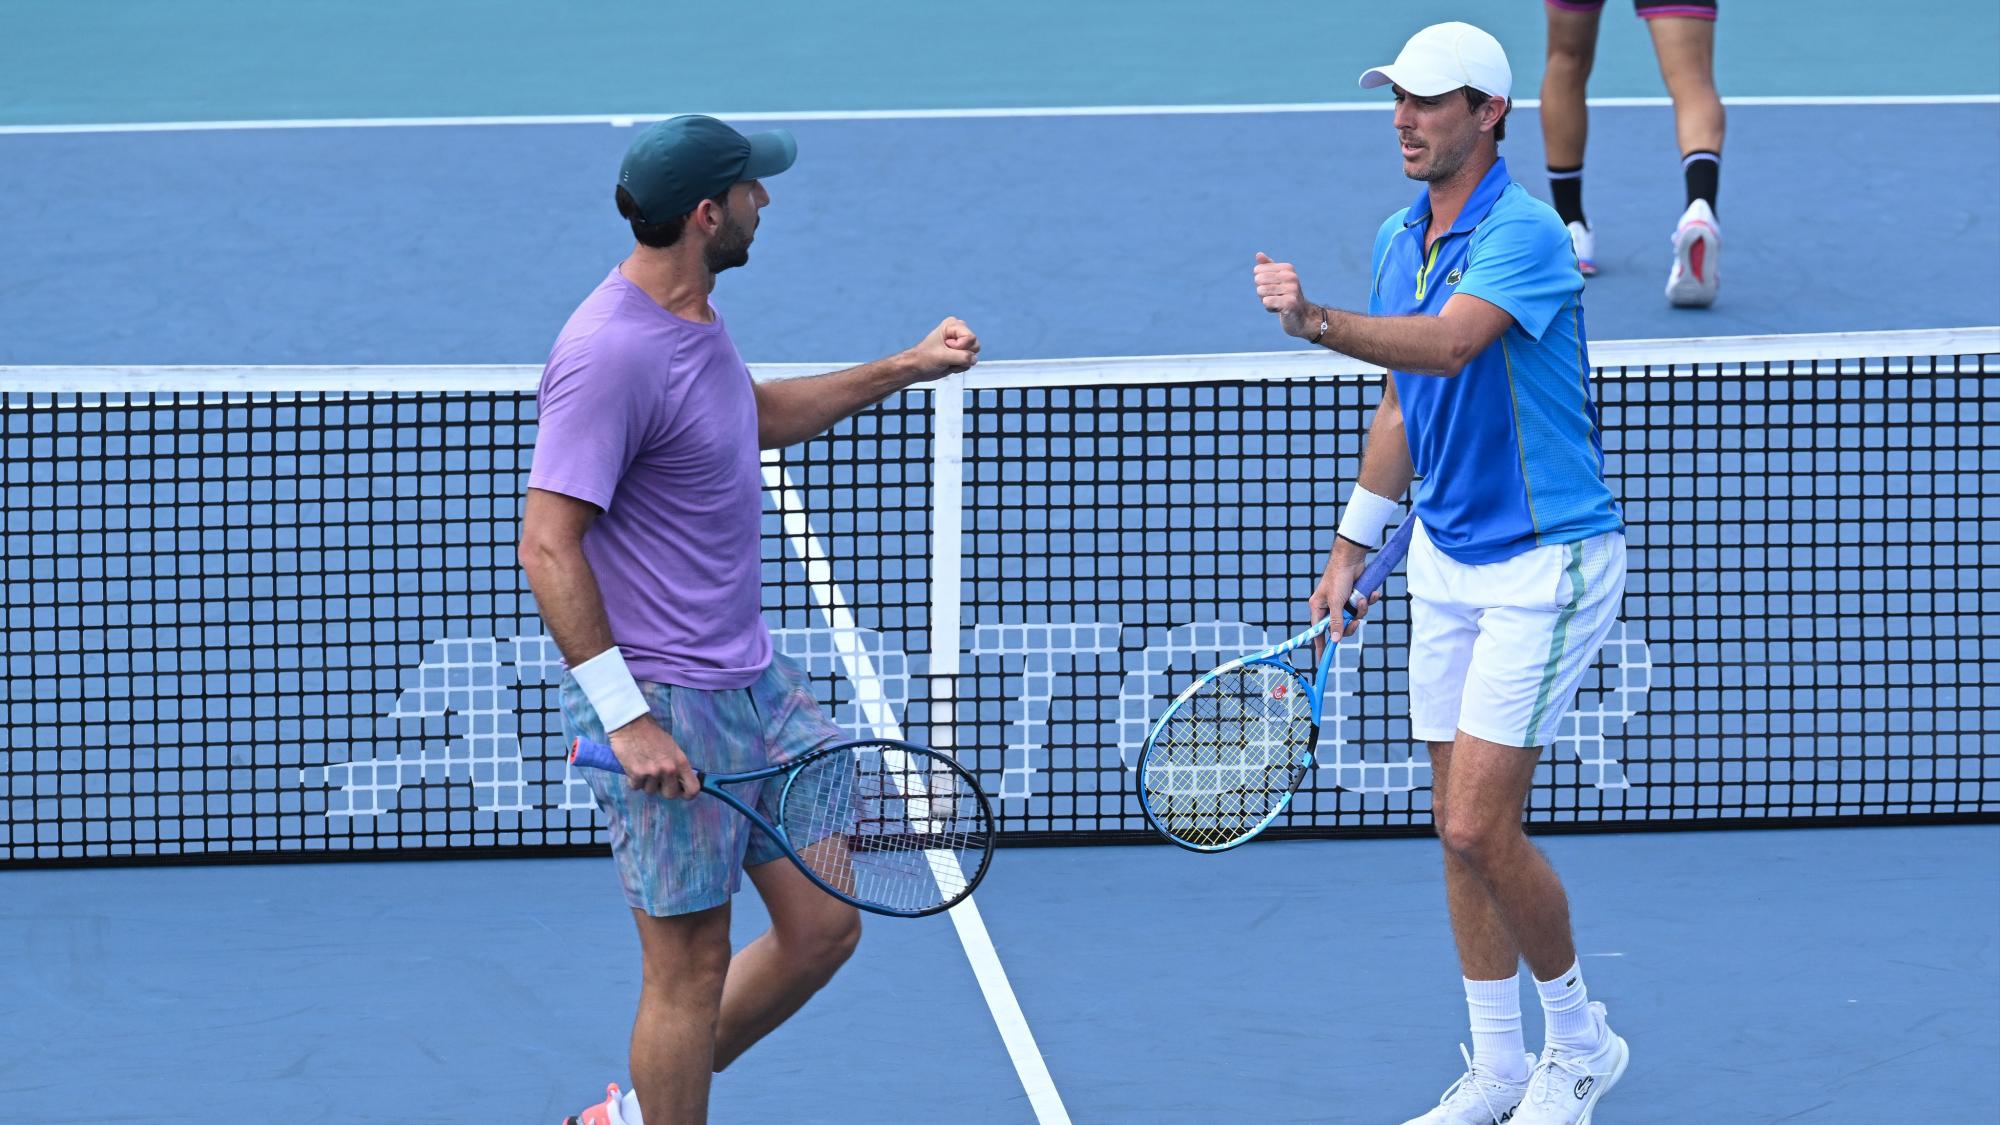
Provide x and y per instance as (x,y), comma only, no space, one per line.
(1507,451)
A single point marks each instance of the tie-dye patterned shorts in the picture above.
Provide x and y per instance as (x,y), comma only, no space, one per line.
(677,857)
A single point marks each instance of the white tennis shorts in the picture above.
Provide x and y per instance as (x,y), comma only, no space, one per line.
(1497,650)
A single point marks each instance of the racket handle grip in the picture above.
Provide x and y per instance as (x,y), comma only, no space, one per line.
(1385,561)
(1372,576)
(584,752)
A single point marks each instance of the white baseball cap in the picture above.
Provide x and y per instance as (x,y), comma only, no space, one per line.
(1443,57)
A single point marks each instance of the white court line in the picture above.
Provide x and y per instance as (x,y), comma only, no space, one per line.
(627,120)
(861,672)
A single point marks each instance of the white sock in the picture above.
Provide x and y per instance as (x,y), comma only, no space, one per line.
(628,1108)
(1566,1012)
(1498,1048)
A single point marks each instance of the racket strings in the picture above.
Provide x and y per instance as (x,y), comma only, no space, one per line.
(1229,755)
(891,826)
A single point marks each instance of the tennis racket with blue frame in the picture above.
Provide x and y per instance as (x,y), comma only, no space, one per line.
(1224,761)
(890,827)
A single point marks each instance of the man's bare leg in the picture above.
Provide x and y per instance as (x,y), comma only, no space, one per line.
(1523,911)
(699,1009)
(1565,115)
(812,934)
(686,958)
(1686,50)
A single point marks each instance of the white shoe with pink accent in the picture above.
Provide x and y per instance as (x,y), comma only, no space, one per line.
(1585,245)
(1697,246)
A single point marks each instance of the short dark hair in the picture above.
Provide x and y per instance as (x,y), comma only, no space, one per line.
(1477,98)
(662,234)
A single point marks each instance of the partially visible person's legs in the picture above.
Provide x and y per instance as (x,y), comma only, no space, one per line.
(680,861)
(1572,49)
(686,959)
(1525,907)
(1443,631)
(1545,617)
(812,934)
(1488,957)
(1685,45)
(1497,652)
(1572,30)
(1686,50)
(1504,898)
(1506,901)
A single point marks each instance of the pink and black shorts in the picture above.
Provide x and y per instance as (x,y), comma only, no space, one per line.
(1647,9)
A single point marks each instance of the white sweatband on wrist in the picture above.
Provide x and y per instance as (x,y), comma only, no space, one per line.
(1366,515)
(609,686)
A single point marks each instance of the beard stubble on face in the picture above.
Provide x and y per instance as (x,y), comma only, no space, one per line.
(729,248)
(1443,165)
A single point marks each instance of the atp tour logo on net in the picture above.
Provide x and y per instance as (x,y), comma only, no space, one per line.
(474,689)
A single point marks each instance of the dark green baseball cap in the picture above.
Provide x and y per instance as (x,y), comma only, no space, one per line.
(677,163)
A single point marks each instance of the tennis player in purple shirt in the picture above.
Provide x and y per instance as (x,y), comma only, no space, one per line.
(640,539)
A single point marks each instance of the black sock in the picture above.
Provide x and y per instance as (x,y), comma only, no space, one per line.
(1566,187)
(1704,173)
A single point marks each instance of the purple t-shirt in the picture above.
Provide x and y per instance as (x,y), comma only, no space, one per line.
(654,420)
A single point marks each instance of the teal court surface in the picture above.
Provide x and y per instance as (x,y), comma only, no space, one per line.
(275,287)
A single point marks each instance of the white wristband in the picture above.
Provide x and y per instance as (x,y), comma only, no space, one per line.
(609,686)
(1366,515)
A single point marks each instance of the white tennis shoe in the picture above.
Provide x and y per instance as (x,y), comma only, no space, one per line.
(1565,1086)
(1477,1098)
(1585,245)
(1697,246)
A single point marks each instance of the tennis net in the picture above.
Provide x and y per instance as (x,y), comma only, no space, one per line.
(262,612)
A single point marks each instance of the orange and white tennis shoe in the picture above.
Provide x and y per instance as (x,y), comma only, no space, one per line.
(607,1113)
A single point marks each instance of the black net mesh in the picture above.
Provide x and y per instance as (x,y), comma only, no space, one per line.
(253,623)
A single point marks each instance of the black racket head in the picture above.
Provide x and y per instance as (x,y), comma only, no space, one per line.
(1227,756)
(891,827)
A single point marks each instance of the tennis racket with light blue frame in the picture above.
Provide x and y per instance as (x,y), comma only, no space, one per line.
(892,828)
(1230,751)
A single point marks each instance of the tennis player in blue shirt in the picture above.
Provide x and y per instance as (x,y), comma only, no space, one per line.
(1518,563)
